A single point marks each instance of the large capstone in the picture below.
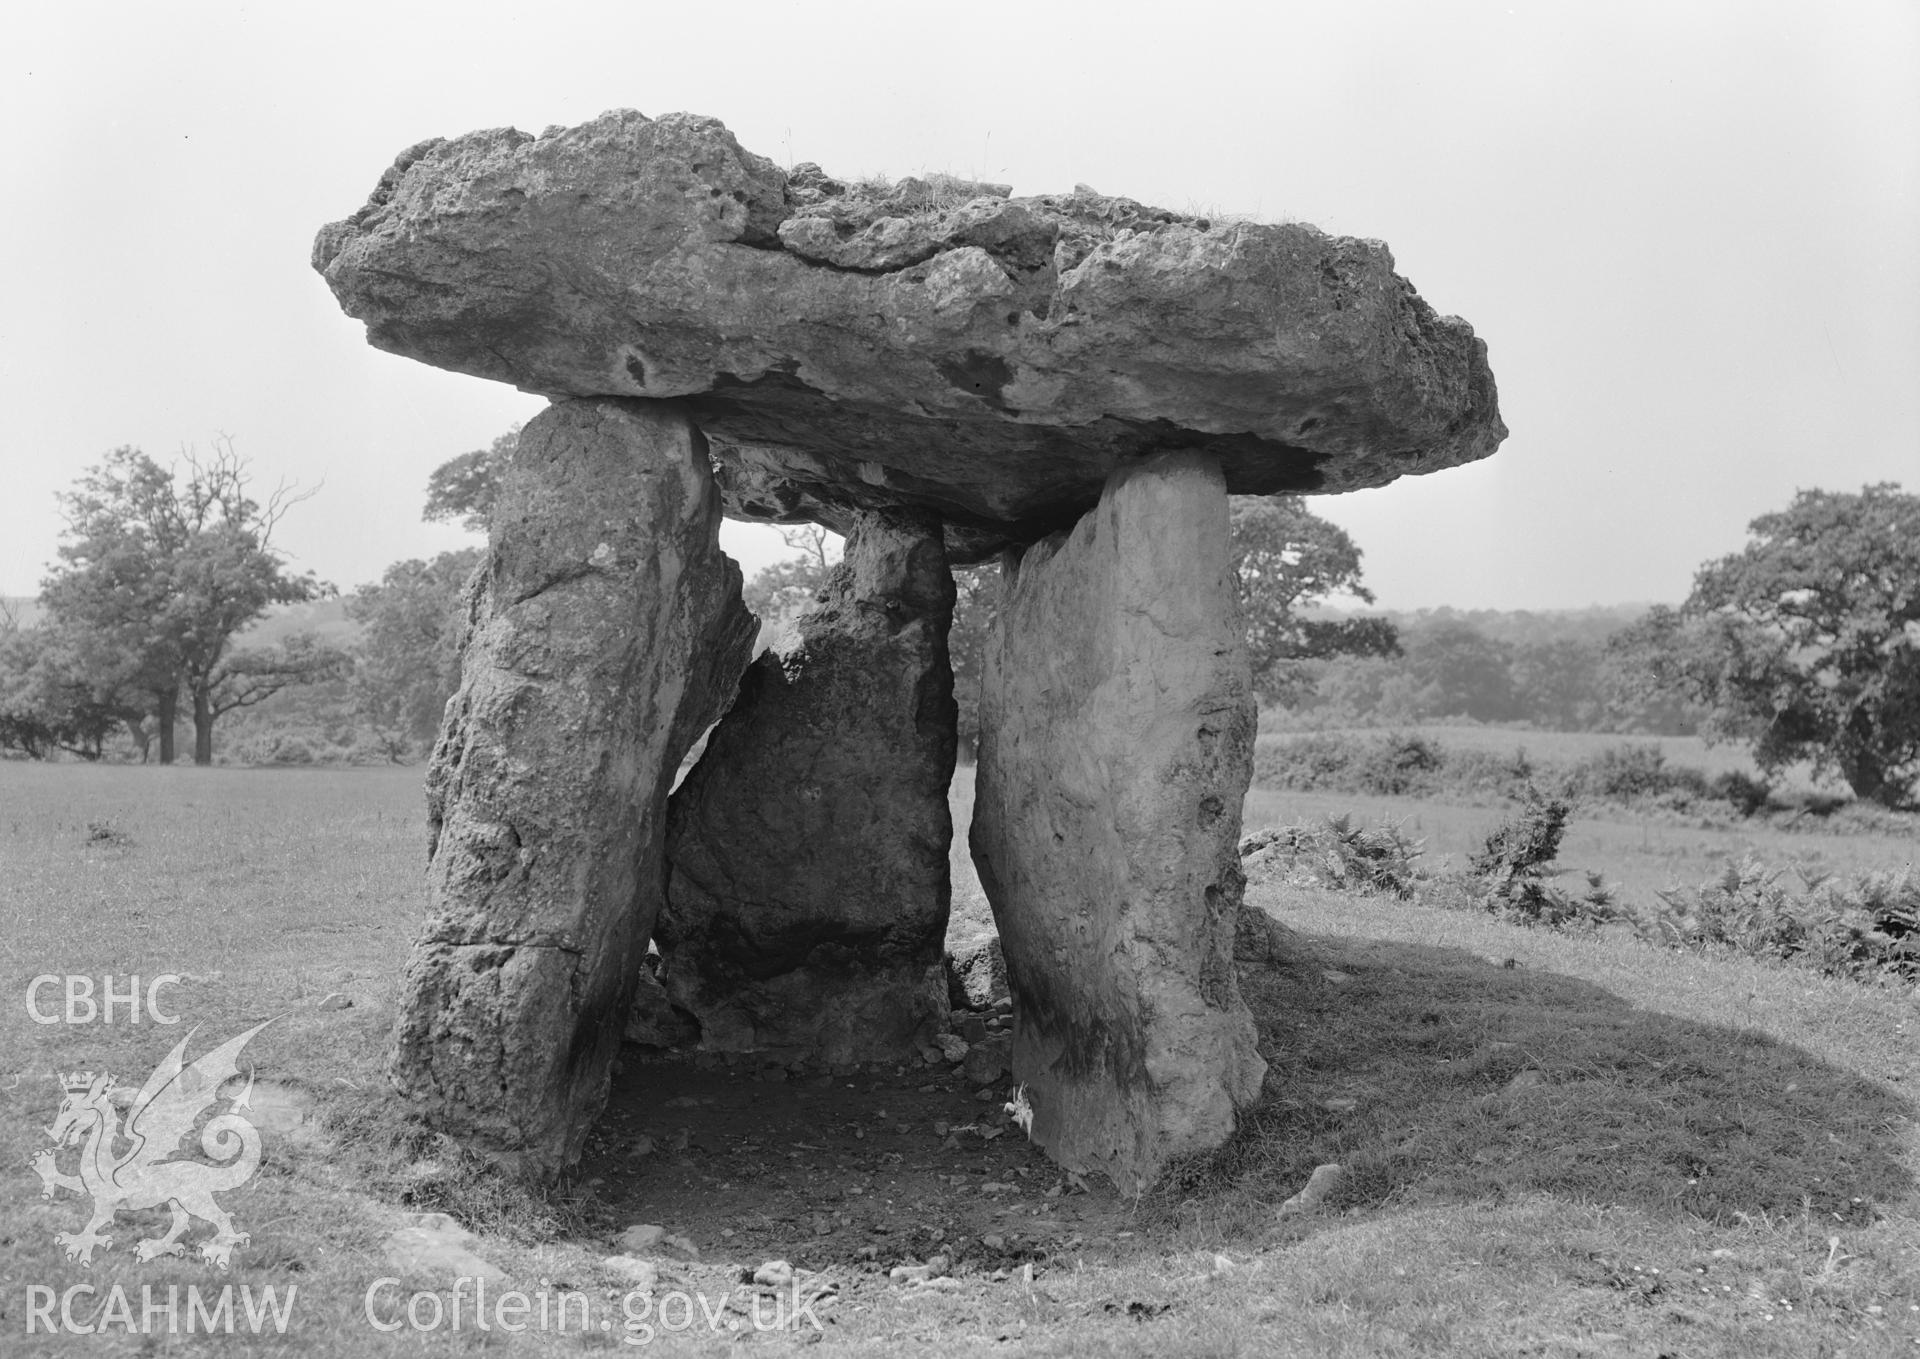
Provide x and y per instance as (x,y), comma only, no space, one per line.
(1117,726)
(807,851)
(931,343)
(605,633)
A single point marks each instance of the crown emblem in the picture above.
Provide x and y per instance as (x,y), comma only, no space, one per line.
(79,1082)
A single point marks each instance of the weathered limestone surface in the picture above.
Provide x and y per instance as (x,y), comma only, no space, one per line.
(808,873)
(606,631)
(930,343)
(1117,727)
(976,974)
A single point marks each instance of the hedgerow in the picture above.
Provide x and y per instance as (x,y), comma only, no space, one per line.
(1392,764)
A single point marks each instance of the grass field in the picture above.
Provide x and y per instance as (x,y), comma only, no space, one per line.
(1566,747)
(1554,1146)
(1558,747)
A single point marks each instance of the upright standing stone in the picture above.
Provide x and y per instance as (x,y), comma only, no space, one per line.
(1117,728)
(606,632)
(808,873)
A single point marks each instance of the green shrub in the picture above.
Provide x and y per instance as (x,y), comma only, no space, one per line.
(1741,791)
(1383,766)
(1514,872)
(1525,846)
(1629,773)
(1865,927)
(1340,855)
(1308,763)
(1399,765)
(1484,772)
(1396,765)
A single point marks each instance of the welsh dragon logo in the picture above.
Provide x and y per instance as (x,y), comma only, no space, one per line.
(141,1175)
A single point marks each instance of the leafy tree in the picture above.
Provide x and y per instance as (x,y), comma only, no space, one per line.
(1465,672)
(1556,684)
(976,605)
(1286,558)
(463,488)
(410,652)
(787,588)
(245,676)
(158,573)
(46,701)
(1644,673)
(1807,642)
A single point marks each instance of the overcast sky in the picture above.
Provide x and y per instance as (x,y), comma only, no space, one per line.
(1689,233)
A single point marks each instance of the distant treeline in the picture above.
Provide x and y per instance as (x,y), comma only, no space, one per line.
(1561,670)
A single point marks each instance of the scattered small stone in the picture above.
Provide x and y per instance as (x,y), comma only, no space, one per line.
(914,1274)
(682,1102)
(680,1139)
(1340,1106)
(940,1128)
(903,1128)
(335,1000)
(1320,1184)
(973,1028)
(1223,1264)
(641,1237)
(434,1244)
(953,1047)
(629,1269)
(822,1225)
(278,1110)
(680,1246)
(775,1274)
(642,1146)
(1527,1079)
(1337,977)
